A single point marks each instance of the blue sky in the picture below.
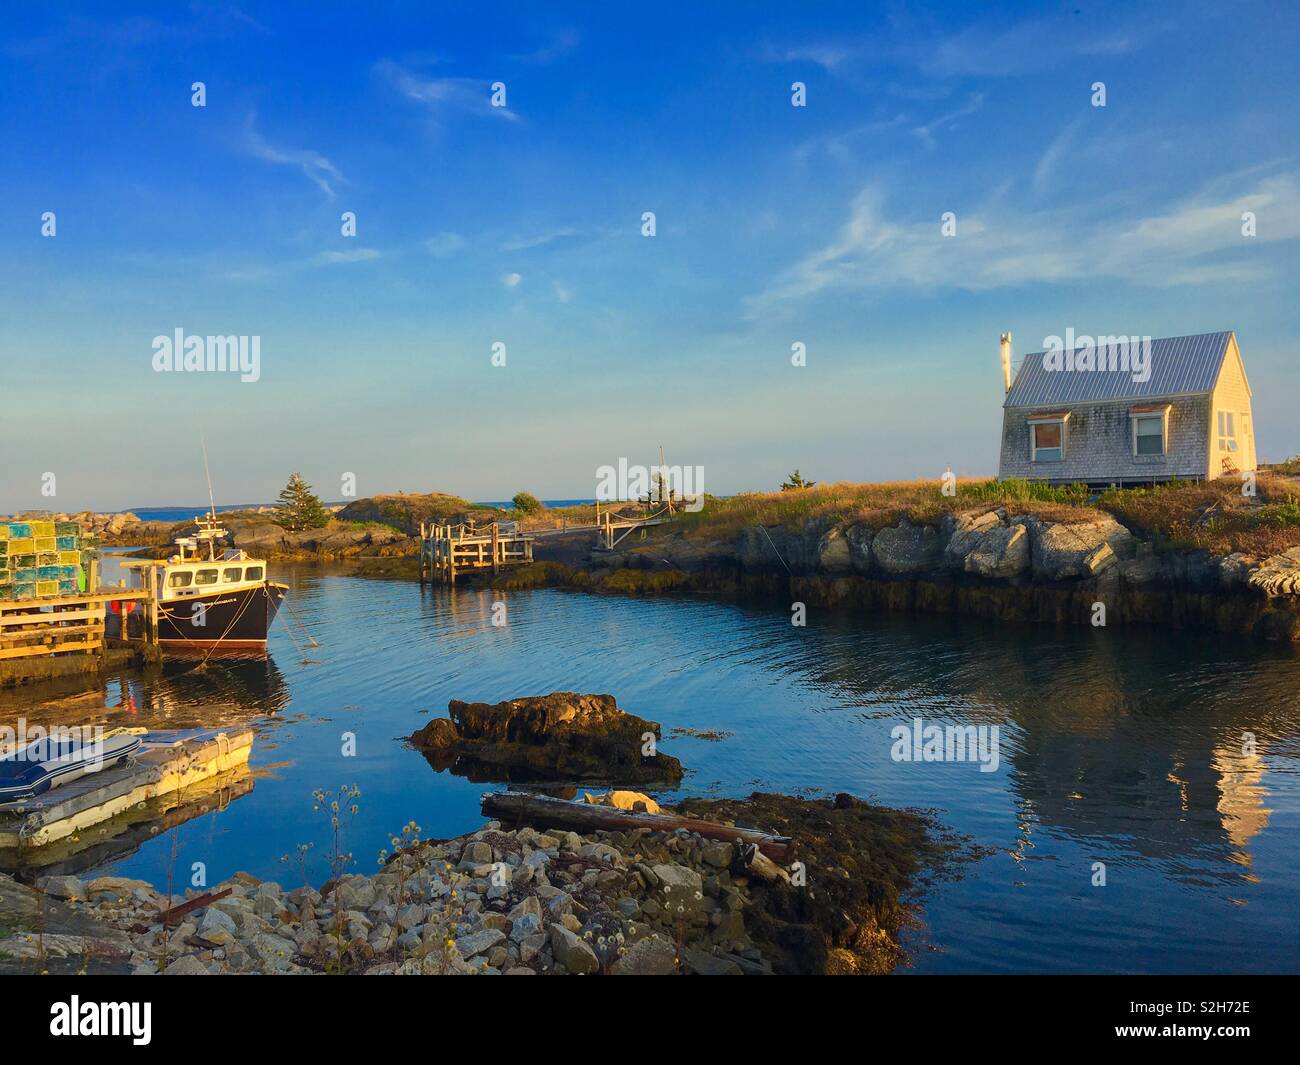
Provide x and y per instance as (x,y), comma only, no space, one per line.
(475,224)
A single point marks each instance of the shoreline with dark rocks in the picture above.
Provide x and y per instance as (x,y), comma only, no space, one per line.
(994,565)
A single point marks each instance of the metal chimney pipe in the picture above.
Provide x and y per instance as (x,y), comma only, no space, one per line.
(1006,362)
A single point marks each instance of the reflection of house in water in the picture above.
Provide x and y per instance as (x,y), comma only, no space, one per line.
(1241,798)
(1110,749)
(1126,738)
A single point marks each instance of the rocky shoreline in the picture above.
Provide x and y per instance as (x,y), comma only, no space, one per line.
(990,564)
(518,901)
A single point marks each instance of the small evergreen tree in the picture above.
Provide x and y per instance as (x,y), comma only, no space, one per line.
(300,508)
(527,503)
(796,482)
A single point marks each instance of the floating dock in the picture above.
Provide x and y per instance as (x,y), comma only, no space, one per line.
(174,764)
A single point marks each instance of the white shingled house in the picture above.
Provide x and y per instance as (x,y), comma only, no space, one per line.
(1128,413)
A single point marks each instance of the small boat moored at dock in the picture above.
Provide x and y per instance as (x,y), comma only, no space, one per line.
(160,765)
(208,600)
(49,762)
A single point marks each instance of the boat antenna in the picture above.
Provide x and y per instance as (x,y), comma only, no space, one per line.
(212,506)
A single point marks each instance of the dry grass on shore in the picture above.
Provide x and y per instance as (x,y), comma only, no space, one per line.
(878,505)
(1213,516)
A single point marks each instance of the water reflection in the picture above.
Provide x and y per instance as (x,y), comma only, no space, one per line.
(124,835)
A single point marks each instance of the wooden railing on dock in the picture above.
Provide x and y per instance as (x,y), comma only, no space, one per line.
(446,550)
(67,624)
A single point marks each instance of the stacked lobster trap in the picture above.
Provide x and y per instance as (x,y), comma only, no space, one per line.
(43,559)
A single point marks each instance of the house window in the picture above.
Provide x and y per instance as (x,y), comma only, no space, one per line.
(1227,431)
(1047,441)
(1149,434)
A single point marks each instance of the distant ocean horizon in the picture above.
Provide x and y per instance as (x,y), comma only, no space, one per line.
(185,513)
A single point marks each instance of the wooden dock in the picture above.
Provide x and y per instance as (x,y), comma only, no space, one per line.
(446,550)
(611,530)
(71,624)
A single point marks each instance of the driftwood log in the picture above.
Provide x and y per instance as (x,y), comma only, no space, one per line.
(513,807)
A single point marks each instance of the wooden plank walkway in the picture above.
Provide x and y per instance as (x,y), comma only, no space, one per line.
(72,623)
(446,550)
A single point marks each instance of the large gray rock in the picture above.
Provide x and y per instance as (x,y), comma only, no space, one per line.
(833,553)
(967,531)
(1059,551)
(1235,570)
(217,926)
(571,952)
(257,537)
(652,956)
(907,549)
(760,548)
(859,538)
(1279,575)
(187,965)
(1002,551)
(62,887)
(276,952)
(479,942)
(1146,568)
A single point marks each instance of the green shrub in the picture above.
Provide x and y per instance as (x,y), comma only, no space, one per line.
(527,503)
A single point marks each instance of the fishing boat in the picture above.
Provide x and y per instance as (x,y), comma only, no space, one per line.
(209,600)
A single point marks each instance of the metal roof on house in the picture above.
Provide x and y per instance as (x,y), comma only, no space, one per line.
(1179,365)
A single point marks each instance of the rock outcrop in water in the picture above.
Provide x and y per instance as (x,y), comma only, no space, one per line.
(564,736)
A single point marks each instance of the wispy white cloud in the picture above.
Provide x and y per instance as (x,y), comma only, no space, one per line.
(442,245)
(982,49)
(511,280)
(561,43)
(114,38)
(539,240)
(948,120)
(1052,156)
(441,96)
(843,147)
(829,55)
(356,255)
(312,163)
(1196,241)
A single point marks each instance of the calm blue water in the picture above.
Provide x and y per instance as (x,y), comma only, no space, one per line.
(1119,747)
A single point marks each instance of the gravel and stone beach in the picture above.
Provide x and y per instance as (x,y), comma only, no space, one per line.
(513,902)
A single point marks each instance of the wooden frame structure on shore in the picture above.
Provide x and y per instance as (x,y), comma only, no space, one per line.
(446,550)
(69,623)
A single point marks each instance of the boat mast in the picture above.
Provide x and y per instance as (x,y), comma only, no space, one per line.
(212,506)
